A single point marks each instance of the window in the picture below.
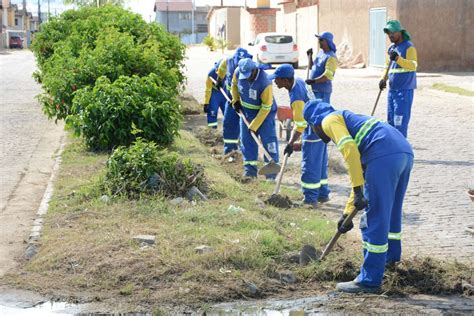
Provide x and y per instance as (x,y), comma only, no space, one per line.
(279,39)
(184,16)
(201,28)
(16,22)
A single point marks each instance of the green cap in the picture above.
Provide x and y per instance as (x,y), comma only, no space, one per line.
(395,26)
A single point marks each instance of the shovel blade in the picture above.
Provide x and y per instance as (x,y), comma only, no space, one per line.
(270,168)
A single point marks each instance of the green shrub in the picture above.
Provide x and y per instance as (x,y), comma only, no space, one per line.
(209,42)
(75,49)
(107,114)
(143,168)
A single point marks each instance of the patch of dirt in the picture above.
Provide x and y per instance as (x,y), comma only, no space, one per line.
(279,201)
(427,276)
(189,105)
(209,136)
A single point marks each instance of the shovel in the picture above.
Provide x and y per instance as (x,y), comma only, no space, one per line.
(280,175)
(380,91)
(271,167)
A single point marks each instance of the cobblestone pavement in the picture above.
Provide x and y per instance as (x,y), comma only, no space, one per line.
(27,141)
(437,209)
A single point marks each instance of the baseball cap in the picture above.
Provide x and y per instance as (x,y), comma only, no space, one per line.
(283,71)
(246,66)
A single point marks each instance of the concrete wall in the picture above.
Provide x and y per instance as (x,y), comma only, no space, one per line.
(230,17)
(442,34)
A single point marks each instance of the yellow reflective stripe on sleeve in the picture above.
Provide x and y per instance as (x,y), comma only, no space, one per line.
(375,248)
(212,124)
(310,185)
(251,106)
(311,140)
(231,141)
(251,162)
(301,124)
(229,87)
(395,236)
(399,70)
(324,181)
(343,141)
(364,130)
(266,107)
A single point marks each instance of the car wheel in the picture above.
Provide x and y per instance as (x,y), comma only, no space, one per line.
(295,65)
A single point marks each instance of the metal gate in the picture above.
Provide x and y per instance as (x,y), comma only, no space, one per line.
(378,18)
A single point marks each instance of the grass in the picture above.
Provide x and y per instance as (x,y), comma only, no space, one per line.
(453,89)
(87,252)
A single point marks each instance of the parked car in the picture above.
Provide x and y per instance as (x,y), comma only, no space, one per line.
(275,48)
(15,42)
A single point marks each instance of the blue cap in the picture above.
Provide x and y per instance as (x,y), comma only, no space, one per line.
(283,71)
(246,66)
(329,38)
(315,111)
(241,53)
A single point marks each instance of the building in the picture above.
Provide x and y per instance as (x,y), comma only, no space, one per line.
(240,25)
(182,18)
(441,30)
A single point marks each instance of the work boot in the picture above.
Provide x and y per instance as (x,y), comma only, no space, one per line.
(323,199)
(313,204)
(355,287)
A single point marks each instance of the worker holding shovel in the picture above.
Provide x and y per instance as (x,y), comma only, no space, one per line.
(252,95)
(225,71)
(213,98)
(401,76)
(323,67)
(380,158)
(314,165)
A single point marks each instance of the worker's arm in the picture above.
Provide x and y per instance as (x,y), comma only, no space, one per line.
(410,62)
(235,90)
(267,102)
(329,70)
(335,128)
(300,123)
(208,92)
(222,70)
(385,68)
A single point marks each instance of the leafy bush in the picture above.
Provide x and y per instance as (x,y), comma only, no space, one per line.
(144,168)
(209,42)
(75,49)
(108,113)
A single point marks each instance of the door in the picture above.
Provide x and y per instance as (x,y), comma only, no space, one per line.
(378,18)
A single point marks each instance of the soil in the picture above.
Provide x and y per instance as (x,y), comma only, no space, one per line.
(279,201)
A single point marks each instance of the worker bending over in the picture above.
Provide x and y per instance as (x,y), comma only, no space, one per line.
(314,165)
(380,158)
(213,98)
(252,96)
(225,72)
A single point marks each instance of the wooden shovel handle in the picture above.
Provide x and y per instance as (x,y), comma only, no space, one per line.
(280,175)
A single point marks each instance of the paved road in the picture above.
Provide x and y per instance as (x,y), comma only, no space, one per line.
(27,144)
(437,209)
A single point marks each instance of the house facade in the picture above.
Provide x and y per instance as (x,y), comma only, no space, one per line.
(177,16)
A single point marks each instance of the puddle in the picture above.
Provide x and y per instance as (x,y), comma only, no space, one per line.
(43,309)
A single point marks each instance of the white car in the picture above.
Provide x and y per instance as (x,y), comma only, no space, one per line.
(275,48)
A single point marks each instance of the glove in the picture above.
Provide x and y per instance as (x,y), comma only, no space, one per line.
(237,106)
(309,81)
(360,202)
(288,150)
(394,55)
(205,108)
(309,52)
(382,84)
(218,84)
(347,227)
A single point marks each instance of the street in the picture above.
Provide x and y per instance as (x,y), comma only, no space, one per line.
(28,143)
(437,209)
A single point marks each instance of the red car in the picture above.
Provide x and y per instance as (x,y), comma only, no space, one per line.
(16,42)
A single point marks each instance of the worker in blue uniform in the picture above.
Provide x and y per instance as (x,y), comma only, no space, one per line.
(213,98)
(323,67)
(401,76)
(314,164)
(380,158)
(231,127)
(252,95)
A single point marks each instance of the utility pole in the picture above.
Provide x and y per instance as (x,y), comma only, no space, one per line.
(49,14)
(193,36)
(39,12)
(167,17)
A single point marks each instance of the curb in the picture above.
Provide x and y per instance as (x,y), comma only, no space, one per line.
(35,234)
